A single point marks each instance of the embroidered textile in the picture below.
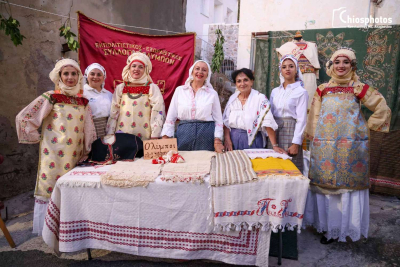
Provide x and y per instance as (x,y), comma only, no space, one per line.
(204,106)
(273,166)
(252,117)
(164,220)
(196,166)
(129,174)
(340,135)
(274,202)
(232,167)
(265,153)
(62,144)
(137,113)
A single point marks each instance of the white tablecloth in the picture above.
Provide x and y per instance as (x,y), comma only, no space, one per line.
(166,220)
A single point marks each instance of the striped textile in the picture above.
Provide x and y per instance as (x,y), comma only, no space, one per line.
(284,137)
(100,126)
(232,167)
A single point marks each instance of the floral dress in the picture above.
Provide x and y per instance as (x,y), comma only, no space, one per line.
(67,134)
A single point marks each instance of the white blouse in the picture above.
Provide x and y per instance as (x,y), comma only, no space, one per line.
(235,116)
(291,102)
(185,105)
(99,102)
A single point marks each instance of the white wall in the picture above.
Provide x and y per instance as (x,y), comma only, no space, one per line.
(280,15)
(195,20)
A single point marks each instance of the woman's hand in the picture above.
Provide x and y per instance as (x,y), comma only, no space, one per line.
(293,150)
(279,150)
(228,143)
(219,147)
(165,137)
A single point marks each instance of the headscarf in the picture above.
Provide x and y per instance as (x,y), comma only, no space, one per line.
(56,78)
(351,75)
(299,75)
(95,66)
(207,82)
(145,60)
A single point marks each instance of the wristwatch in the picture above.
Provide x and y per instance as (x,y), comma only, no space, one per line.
(275,145)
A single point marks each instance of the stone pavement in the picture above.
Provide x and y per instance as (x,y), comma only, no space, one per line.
(381,249)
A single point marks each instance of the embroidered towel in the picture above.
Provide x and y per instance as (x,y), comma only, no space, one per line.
(265,153)
(129,174)
(232,167)
(197,165)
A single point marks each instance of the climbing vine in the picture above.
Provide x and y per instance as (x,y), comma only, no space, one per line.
(218,56)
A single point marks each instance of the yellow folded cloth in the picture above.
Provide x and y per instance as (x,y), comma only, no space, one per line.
(274,166)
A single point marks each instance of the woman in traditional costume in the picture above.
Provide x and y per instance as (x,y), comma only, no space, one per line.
(338,200)
(196,104)
(289,106)
(247,116)
(99,98)
(137,105)
(67,131)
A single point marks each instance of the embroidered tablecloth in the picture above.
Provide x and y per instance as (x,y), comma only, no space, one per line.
(276,200)
(165,220)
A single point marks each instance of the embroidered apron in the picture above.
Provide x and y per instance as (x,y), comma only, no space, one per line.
(340,149)
(62,141)
(135,111)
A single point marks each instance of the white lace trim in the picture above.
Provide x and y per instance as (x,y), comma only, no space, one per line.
(274,227)
(337,233)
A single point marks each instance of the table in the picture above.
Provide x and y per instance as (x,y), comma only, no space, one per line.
(165,220)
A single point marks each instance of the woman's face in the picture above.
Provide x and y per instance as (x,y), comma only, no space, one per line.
(341,66)
(288,70)
(69,76)
(243,83)
(95,78)
(137,70)
(200,72)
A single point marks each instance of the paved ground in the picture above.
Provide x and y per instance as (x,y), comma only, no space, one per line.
(381,249)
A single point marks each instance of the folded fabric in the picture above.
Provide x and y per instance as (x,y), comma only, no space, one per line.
(232,167)
(129,174)
(265,153)
(272,167)
(83,177)
(197,165)
(173,157)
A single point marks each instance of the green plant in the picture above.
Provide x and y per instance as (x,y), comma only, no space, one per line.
(218,56)
(65,31)
(11,27)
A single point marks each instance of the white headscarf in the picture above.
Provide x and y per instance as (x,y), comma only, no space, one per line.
(299,75)
(90,68)
(207,82)
(145,60)
(56,78)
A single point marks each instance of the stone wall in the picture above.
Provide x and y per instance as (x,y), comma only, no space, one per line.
(24,70)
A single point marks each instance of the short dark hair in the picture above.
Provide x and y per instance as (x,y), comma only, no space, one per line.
(245,71)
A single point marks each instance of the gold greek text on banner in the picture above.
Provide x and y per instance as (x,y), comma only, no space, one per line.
(126,49)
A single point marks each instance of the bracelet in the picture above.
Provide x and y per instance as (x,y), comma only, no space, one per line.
(275,145)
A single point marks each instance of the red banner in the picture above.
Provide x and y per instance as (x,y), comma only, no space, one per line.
(171,55)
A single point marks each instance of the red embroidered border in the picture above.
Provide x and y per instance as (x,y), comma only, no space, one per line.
(60,98)
(136,90)
(338,89)
(363,91)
